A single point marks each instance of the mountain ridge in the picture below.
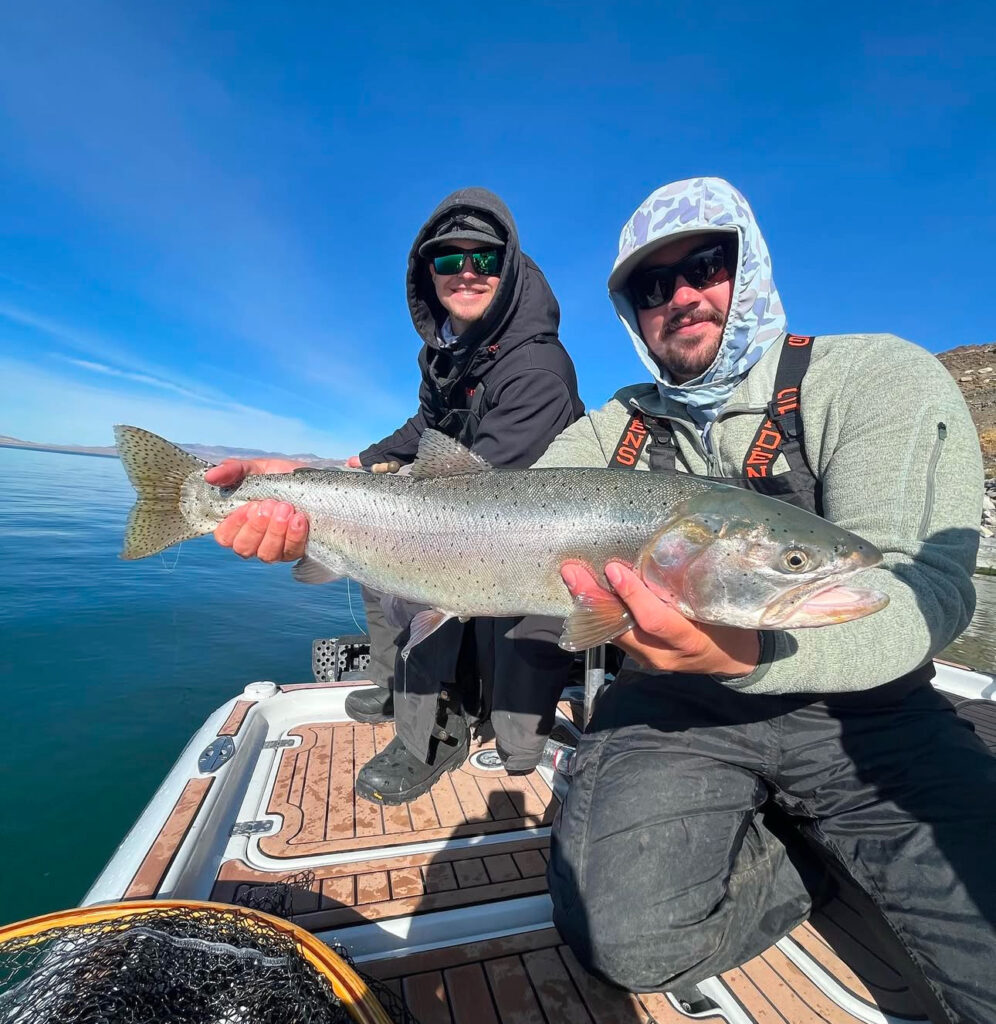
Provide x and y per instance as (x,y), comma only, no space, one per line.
(208,452)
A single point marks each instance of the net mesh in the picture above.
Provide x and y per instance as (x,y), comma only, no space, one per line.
(278,898)
(178,964)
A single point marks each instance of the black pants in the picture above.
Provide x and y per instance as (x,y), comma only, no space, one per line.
(383,640)
(507,671)
(670,862)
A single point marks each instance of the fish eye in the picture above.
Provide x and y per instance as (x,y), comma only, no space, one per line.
(795,560)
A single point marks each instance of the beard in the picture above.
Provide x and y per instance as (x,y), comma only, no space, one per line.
(685,358)
(464,315)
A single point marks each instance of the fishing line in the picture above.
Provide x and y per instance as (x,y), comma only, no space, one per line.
(349,598)
(176,561)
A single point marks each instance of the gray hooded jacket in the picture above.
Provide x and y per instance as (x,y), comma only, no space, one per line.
(886,431)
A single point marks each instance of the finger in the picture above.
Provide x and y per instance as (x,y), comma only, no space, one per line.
(271,547)
(274,465)
(248,539)
(580,578)
(651,614)
(229,473)
(384,467)
(353,462)
(227,530)
(297,537)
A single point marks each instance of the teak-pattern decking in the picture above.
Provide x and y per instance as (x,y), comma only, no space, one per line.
(353,893)
(533,978)
(526,978)
(313,793)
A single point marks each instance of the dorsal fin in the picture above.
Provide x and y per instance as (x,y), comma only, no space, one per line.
(439,455)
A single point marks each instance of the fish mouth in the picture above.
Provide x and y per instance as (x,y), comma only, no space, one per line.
(822,604)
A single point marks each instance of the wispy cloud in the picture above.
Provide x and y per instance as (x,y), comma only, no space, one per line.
(105,354)
(155,158)
(112,359)
(74,338)
(334,390)
(228,254)
(156,382)
(41,404)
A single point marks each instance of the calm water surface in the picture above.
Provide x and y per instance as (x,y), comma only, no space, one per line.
(107,667)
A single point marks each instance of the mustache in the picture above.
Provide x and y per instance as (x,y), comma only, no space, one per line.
(686,319)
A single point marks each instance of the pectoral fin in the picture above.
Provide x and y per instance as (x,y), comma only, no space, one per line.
(597,618)
(425,624)
(310,570)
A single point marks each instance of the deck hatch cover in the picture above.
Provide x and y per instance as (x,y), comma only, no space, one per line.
(251,828)
(215,754)
(331,657)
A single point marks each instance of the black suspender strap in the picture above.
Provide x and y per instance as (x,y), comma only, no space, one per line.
(637,432)
(784,421)
(631,443)
(781,430)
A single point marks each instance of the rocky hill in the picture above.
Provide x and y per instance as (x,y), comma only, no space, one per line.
(974,368)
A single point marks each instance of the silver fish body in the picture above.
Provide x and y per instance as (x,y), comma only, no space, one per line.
(470,540)
(482,544)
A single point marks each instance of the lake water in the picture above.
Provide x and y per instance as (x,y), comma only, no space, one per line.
(107,667)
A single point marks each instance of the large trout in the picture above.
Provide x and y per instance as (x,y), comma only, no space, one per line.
(471,540)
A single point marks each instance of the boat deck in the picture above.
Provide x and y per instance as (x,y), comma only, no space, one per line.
(321,815)
(533,978)
(445,900)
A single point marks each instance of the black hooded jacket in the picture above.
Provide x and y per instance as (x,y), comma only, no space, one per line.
(508,387)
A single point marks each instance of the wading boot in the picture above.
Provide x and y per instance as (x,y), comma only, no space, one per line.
(691,1000)
(396,776)
(371,704)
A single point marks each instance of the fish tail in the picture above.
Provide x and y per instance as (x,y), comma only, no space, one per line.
(157,470)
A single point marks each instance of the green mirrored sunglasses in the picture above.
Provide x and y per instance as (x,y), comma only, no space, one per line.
(486,262)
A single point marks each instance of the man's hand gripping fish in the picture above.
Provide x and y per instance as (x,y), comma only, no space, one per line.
(471,540)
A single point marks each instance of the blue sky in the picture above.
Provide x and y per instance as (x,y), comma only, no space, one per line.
(207,206)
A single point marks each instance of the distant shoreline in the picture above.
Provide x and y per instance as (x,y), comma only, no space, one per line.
(209,453)
(59,449)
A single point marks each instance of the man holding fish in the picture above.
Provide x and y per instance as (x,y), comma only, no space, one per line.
(736,754)
(721,759)
(495,377)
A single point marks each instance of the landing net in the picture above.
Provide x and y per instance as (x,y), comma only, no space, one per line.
(182,963)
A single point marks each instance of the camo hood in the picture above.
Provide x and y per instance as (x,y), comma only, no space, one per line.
(756,318)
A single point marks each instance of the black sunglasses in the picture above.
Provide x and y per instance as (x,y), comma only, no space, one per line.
(486,262)
(654,286)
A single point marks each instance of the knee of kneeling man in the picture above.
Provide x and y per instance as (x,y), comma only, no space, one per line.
(633,950)
(637,964)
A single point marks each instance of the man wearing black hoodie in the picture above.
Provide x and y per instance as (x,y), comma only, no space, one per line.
(495,377)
